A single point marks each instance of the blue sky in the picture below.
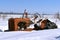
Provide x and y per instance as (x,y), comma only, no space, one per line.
(41,6)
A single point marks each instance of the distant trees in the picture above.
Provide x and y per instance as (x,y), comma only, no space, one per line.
(57,15)
(3,16)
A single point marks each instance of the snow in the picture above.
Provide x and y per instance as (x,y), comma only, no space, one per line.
(50,34)
(3,24)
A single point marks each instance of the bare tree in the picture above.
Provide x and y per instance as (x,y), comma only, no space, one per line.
(57,15)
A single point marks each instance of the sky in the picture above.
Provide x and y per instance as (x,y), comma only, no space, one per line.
(32,6)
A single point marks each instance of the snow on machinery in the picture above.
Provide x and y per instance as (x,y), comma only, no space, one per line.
(22,24)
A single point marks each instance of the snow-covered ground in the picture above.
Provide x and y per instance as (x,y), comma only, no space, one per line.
(51,34)
(4,22)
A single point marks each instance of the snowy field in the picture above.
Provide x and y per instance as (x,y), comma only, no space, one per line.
(51,34)
(4,22)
